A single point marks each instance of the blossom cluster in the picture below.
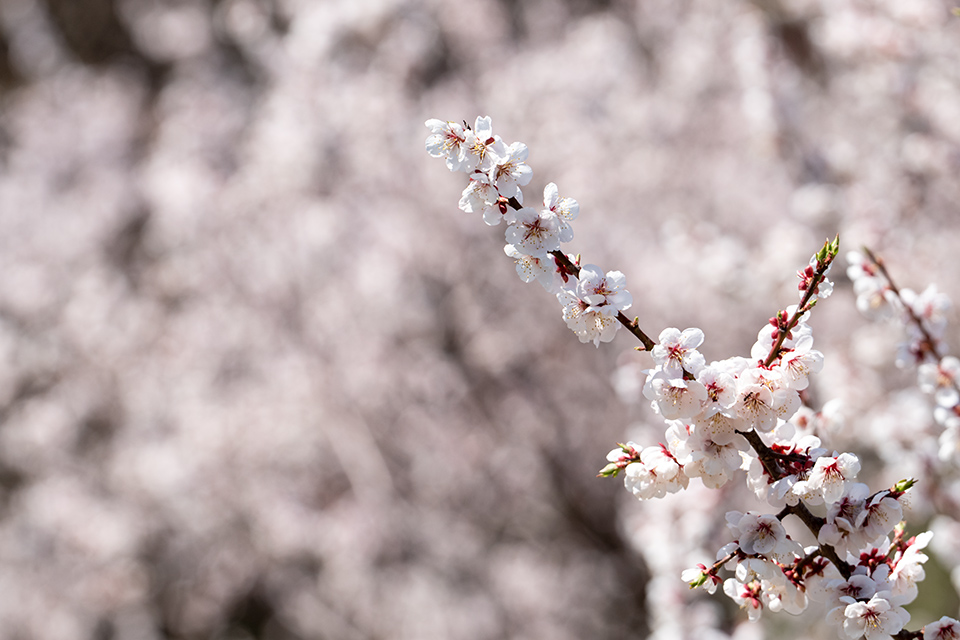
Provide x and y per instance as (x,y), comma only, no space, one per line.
(743,416)
(592,300)
(923,316)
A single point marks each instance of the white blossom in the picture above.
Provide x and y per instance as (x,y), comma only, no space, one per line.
(448,140)
(830,475)
(605,293)
(566,208)
(484,148)
(510,171)
(674,398)
(940,378)
(657,474)
(535,233)
(943,629)
(879,516)
(590,326)
(874,620)
(798,363)
(676,351)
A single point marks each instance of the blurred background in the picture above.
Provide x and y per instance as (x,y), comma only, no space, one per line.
(260,377)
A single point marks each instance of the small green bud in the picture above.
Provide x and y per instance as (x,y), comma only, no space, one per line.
(609,471)
(903,485)
(699,581)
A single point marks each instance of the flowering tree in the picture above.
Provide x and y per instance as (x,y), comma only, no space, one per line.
(744,417)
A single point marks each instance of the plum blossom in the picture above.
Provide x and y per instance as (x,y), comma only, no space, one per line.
(712,456)
(858,587)
(940,378)
(566,208)
(535,234)
(798,363)
(747,596)
(908,570)
(930,306)
(784,595)
(760,534)
(841,530)
(880,515)
(721,387)
(448,140)
(874,297)
(676,351)
(605,293)
(510,171)
(763,398)
(529,268)
(674,398)
(943,629)
(657,474)
(830,475)
(768,336)
(480,196)
(874,620)
(590,326)
(484,148)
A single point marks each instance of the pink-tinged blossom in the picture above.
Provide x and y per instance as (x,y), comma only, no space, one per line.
(747,596)
(841,530)
(721,387)
(676,351)
(448,140)
(760,534)
(762,569)
(542,270)
(941,379)
(943,629)
(482,197)
(535,234)
(879,516)
(768,335)
(784,595)
(830,475)
(657,474)
(589,326)
(914,350)
(875,300)
(712,456)
(824,288)
(483,148)
(566,208)
(908,570)
(605,293)
(510,171)
(875,619)
(798,363)
(763,398)
(930,306)
(860,266)
(858,587)
(674,398)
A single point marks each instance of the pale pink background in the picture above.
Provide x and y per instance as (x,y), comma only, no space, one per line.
(260,378)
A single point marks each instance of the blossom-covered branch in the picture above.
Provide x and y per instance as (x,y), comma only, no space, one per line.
(725,419)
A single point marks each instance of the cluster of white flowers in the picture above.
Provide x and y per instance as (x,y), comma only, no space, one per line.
(924,317)
(739,416)
(746,414)
(591,299)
